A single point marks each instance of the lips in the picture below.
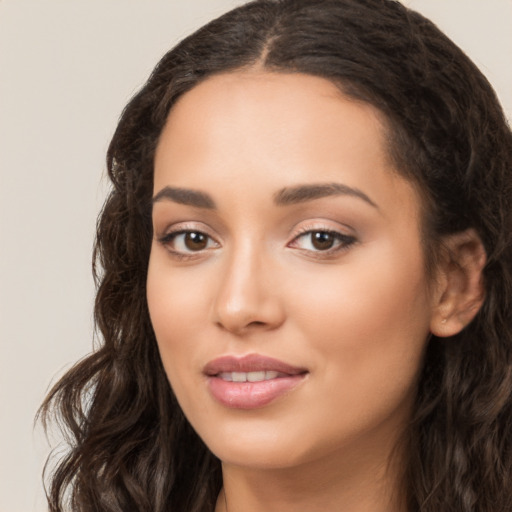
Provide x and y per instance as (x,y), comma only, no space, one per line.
(251,381)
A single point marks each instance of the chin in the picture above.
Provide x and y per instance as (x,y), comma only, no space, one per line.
(255,447)
(259,458)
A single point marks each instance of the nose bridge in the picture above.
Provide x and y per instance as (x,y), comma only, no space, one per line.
(246,296)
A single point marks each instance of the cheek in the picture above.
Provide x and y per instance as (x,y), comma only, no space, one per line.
(177,309)
(366,332)
(177,297)
(369,318)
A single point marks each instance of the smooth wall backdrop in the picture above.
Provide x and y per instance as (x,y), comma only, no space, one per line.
(67,68)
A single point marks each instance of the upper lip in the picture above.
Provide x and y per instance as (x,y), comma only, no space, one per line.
(250,363)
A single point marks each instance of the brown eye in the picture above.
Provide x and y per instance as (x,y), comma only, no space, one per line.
(195,241)
(322,240)
(187,242)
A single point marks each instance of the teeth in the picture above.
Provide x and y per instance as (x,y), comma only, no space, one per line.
(249,376)
(255,376)
(239,376)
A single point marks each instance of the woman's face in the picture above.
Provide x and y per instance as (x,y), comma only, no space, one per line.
(287,285)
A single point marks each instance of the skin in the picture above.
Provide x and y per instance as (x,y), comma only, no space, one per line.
(356,316)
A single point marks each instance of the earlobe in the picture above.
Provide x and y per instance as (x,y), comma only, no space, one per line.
(460,288)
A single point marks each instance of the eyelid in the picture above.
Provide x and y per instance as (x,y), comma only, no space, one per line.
(345,239)
(180,227)
(323,225)
(173,231)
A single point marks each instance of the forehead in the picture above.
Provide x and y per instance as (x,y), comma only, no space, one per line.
(235,115)
(308,101)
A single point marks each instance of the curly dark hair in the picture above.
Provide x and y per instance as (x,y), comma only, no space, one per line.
(131,448)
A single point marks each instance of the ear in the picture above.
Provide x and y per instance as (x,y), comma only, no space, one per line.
(459,291)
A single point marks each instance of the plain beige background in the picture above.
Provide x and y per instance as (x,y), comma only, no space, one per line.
(67,68)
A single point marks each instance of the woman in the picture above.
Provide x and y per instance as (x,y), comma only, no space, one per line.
(305,276)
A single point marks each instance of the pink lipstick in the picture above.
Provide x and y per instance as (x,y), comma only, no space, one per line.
(251,381)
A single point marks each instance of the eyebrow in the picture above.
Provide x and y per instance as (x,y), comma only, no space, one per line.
(284,197)
(303,193)
(185,196)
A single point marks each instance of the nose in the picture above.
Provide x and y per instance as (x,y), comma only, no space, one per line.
(248,295)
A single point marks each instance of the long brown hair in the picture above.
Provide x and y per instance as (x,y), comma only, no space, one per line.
(131,448)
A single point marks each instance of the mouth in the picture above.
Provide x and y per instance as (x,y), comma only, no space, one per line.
(252,381)
(250,376)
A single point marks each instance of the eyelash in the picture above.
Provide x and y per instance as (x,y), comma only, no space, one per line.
(168,239)
(342,241)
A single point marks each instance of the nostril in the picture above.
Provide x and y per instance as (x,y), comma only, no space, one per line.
(244,328)
(256,324)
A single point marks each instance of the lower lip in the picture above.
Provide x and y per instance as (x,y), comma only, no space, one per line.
(251,395)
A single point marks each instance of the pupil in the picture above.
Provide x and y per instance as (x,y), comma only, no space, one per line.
(195,241)
(322,240)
